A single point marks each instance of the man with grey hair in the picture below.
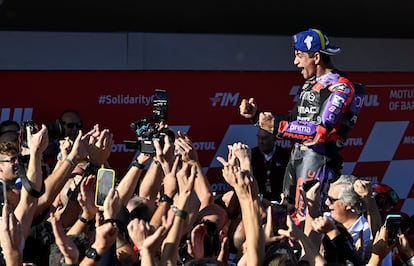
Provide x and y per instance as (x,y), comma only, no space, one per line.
(346,207)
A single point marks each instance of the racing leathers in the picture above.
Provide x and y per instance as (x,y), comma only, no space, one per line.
(318,125)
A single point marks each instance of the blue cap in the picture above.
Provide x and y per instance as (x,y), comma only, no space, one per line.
(314,40)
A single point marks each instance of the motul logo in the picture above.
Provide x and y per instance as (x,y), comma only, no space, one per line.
(354,142)
(371,100)
(16,114)
(408,140)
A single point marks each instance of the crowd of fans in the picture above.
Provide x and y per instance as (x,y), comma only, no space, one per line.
(163,212)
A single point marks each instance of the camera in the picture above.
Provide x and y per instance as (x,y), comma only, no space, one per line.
(147,129)
(54,129)
(33,127)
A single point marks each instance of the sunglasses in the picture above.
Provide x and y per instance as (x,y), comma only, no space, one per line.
(11,160)
(331,200)
(72,125)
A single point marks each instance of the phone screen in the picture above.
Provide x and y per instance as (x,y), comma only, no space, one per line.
(160,105)
(309,184)
(392,222)
(279,215)
(105,180)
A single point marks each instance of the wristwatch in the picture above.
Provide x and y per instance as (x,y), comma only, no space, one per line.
(92,254)
(84,220)
(165,198)
(138,165)
(180,213)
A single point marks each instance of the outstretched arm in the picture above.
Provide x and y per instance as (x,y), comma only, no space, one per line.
(128,183)
(169,250)
(11,235)
(25,209)
(160,166)
(246,191)
(189,155)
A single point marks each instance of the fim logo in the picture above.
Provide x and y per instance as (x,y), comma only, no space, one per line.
(225,99)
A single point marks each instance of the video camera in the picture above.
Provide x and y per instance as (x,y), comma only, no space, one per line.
(147,129)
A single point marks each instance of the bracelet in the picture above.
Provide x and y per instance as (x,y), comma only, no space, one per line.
(109,220)
(180,213)
(137,249)
(165,198)
(84,220)
(138,164)
(69,161)
(28,187)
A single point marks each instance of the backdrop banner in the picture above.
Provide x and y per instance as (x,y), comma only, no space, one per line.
(204,104)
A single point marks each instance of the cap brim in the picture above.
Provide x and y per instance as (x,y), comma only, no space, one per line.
(331,50)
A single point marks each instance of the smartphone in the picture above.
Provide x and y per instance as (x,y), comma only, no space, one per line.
(279,215)
(3,195)
(309,184)
(392,223)
(160,105)
(105,180)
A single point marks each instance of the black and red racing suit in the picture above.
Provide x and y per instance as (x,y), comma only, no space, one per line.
(319,124)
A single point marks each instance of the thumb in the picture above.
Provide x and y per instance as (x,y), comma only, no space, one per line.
(221,160)
(189,248)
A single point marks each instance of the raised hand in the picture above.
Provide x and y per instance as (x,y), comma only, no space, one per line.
(195,246)
(363,188)
(241,180)
(185,177)
(323,224)
(165,154)
(112,204)
(267,121)
(170,181)
(380,247)
(65,146)
(11,234)
(69,250)
(268,228)
(86,197)
(139,230)
(243,154)
(248,108)
(292,231)
(99,145)
(185,148)
(313,198)
(231,158)
(38,141)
